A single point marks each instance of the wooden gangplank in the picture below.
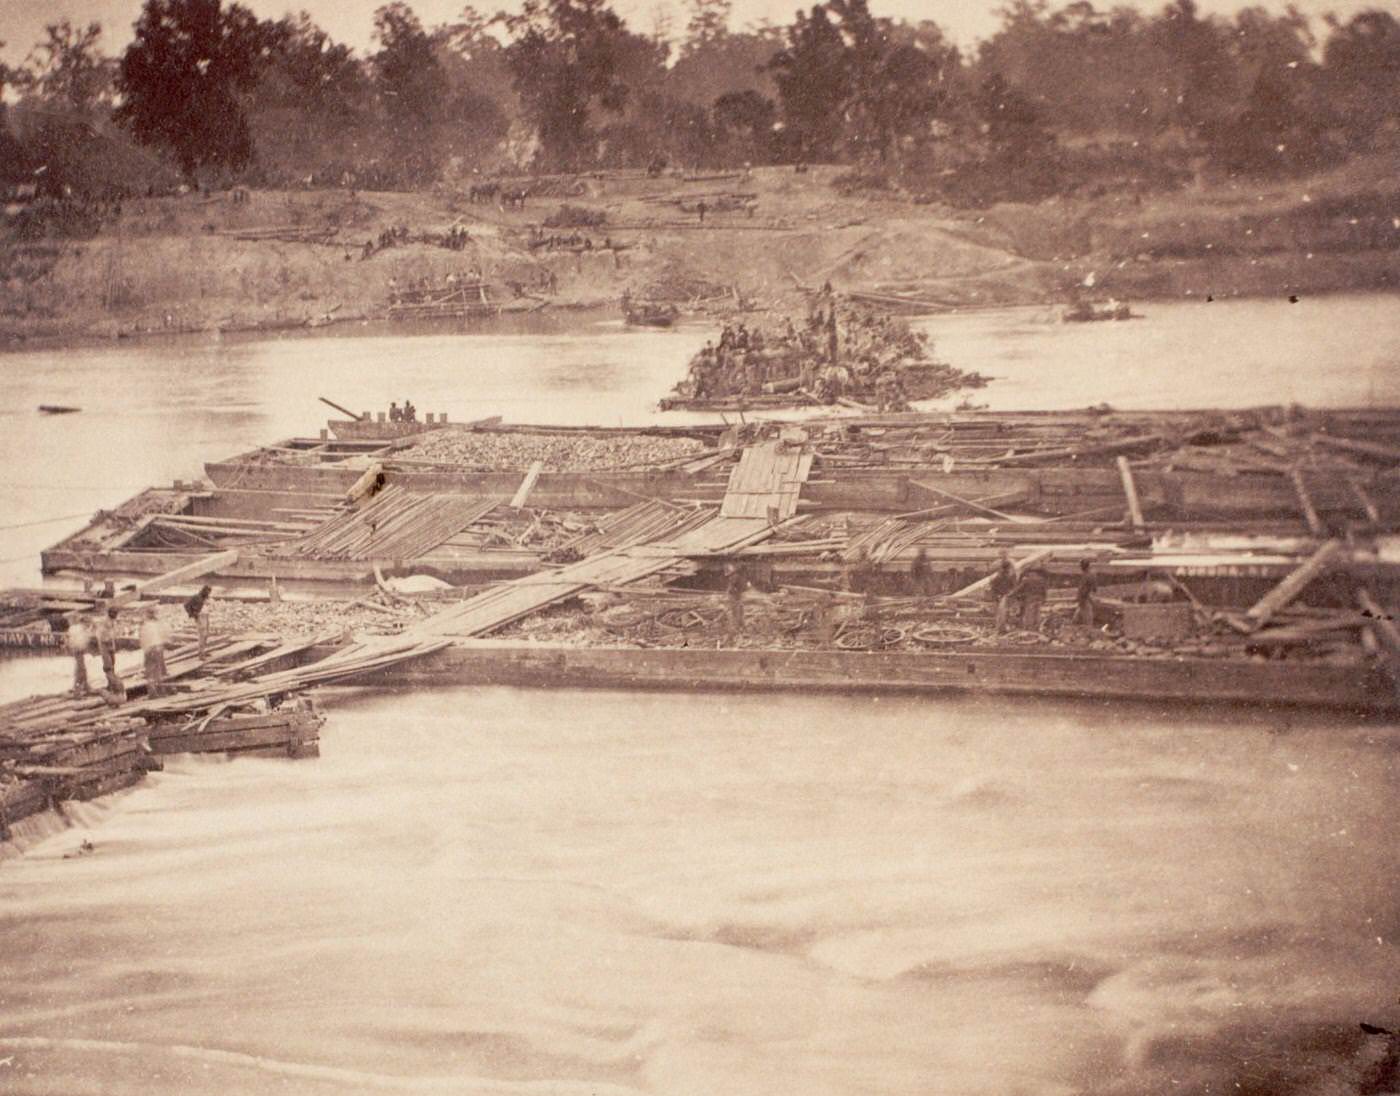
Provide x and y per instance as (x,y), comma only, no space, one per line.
(764,486)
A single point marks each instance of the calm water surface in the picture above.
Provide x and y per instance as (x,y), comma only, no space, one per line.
(516,891)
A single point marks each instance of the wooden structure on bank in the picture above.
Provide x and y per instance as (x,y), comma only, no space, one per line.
(455,299)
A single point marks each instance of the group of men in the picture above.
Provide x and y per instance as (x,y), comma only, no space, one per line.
(406,413)
(1021,595)
(96,633)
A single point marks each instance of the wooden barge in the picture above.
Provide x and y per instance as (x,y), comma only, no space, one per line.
(1175,680)
(1224,509)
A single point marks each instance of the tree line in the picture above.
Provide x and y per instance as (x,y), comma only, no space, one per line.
(1057,99)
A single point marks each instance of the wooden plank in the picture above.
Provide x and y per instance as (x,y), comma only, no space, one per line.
(970,504)
(1305,503)
(198,569)
(1386,453)
(1368,504)
(1292,585)
(975,589)
(527,485)
(1130,490)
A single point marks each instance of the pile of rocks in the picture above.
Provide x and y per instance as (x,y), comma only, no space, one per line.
(571,452)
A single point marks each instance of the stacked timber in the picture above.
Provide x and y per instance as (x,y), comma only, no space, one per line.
(395,524)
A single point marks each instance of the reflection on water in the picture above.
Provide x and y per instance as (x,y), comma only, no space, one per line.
(515,891)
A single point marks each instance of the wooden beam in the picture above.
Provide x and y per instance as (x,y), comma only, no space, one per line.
(1292,585)
(1122,446)
(982,583)
(364,485)
(1130,490)
(1305,503)
(1368,504)
(329,403)
(1371,449)
(522,494)
(969,504)
(198,569)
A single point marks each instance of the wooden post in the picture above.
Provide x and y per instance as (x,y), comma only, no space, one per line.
(1292,585)
(1305,503)
(1130,489)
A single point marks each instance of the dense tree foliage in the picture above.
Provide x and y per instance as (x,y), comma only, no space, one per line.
(180,81)
(1058,98)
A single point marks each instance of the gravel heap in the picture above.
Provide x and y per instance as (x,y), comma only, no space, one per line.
(558,452)
(289,619)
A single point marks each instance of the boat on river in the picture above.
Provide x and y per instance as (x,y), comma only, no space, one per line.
(649,313)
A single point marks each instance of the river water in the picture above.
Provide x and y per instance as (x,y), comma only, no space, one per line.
(520,891)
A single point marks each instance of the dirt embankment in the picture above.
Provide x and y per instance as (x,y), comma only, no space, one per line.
(287,259)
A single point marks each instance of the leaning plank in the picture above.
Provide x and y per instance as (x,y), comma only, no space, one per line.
(197,569)
(976,588)
(1130,490)
(1305,503)
(1292,585)
(522,495)
(1368,504)
(969,504)
(364,486)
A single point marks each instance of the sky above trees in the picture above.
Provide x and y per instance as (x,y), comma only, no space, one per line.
(352,21)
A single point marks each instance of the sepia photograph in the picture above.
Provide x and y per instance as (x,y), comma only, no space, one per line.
(700,547)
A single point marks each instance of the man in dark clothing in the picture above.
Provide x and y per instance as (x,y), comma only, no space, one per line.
(734,587)
(1084,605)
(1032,589)
(918,572)
(197,609)
(1002,588)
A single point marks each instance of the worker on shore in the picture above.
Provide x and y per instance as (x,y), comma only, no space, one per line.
(106,632)
(1084,600)
(1002,588)
(395,415)
(734,587)
(824,618)
(79,640)
(918,572)
(153,653)
(197,609)
(410,413)
(700,208)
(1031,591)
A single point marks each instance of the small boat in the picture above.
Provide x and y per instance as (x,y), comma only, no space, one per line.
(648,314)
(57,409)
